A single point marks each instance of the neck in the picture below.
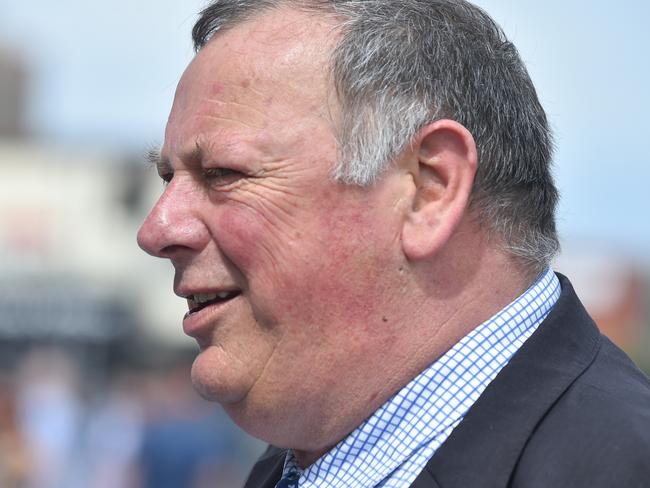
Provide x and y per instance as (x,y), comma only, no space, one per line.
(466,301)
(441,311)
(307,458)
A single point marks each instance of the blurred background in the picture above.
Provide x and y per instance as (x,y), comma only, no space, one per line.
(94,367)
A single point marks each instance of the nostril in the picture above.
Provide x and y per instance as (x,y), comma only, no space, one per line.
(171,251)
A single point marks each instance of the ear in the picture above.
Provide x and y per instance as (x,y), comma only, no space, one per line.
(443,167)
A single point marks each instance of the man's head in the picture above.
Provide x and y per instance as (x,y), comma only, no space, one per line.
(399,65)
(322,212)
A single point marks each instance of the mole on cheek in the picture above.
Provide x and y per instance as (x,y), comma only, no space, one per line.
(245,83)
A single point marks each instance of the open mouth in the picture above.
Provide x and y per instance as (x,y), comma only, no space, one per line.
(198,302)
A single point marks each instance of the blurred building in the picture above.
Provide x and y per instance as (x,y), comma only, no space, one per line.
(69,263)
(615,289)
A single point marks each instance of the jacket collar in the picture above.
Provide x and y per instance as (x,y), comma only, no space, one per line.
(484,448)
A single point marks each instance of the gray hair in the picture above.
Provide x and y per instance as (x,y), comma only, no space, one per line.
(402,64)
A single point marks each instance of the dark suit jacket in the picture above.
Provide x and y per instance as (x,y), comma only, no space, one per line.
(570,410)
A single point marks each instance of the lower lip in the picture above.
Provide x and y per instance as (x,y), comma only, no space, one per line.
(200,325)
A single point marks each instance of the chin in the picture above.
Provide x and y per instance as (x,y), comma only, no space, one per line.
(216,381)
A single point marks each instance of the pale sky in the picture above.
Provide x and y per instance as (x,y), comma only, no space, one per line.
(104,73)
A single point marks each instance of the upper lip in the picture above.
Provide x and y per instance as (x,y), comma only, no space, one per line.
(191,292)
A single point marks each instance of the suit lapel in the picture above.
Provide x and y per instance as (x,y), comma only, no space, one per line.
(485,447)
(425,480)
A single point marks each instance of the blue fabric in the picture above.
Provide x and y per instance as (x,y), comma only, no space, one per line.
(289,478)
(392,446)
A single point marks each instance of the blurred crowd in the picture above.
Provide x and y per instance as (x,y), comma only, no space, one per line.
(63,427)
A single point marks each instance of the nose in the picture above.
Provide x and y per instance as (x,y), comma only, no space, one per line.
(173,226)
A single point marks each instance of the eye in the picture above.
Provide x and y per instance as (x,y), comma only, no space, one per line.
(221,176)
(166,177)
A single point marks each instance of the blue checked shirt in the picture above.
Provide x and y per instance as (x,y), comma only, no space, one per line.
(391,447)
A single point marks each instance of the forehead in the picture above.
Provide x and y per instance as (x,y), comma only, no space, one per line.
(272,67)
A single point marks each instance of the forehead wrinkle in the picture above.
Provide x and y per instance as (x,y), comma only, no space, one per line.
(238,104)
(222,118)
(256,98)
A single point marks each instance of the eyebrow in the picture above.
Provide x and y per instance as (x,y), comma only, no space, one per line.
(154,158)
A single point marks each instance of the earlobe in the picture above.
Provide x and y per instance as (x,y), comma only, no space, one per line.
(446,166)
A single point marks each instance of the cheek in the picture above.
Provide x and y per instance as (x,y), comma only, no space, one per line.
(326,267)
(273,257)
(236,234)
(342,281)
(257,243)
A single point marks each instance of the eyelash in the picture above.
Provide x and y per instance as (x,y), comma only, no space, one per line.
(215,175)
(210,175)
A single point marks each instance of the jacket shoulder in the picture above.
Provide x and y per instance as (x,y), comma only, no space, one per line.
(597,434)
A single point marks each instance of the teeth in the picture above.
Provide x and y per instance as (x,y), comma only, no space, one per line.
(206,297)
(201,298)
